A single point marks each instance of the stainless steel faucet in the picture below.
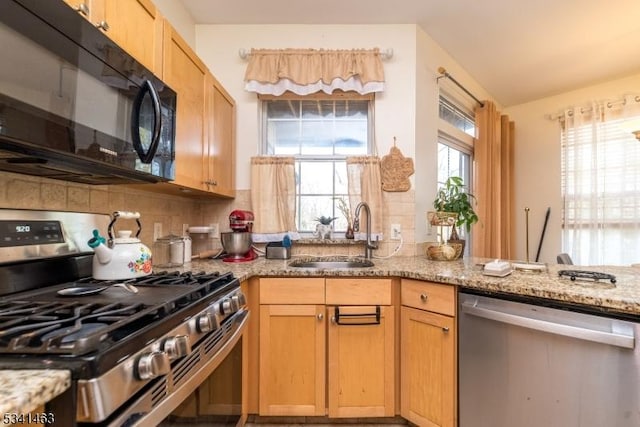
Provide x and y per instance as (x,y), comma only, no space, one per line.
(369,246)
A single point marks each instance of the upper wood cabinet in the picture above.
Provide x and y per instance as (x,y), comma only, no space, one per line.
(220,116)
(134,25)
(185,73)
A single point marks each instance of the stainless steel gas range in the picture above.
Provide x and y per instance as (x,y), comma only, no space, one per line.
(133,357)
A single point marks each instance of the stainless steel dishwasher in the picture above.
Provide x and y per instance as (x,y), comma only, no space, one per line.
(525,365)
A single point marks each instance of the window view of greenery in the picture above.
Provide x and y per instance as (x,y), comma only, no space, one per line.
(320,134)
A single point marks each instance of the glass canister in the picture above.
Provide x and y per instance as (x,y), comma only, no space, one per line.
(201,240)
(168,251)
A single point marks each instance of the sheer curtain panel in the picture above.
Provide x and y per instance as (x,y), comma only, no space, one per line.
(601,183)
(493,184)
(306,71)
(365,185)
(273,197)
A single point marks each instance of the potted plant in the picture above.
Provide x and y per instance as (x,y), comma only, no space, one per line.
(323,229)
(452,198)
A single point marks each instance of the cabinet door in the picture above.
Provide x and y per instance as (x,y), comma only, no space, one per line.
(185,73)
(361,364)
(428,368)
(136,26)
(91,10)
(292,360)
(221,124)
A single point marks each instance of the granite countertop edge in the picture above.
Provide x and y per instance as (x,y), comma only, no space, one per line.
(23,391)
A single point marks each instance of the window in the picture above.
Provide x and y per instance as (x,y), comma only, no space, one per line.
(455,153)
(320,132)
(600,178)
(457,116)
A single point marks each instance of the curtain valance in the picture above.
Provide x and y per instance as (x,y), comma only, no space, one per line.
(305,71)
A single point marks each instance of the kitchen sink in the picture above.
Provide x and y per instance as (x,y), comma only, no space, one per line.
(331,262)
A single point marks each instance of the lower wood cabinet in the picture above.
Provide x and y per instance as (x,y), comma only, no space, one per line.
(311,356)
(428,354)
(292,360)
(361,362)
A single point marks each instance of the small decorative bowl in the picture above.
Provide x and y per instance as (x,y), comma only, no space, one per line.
(443,251)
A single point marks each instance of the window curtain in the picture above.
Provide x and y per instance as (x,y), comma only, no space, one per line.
(601,183)
(273,198)
(365,185)
(493,184)
(306,71)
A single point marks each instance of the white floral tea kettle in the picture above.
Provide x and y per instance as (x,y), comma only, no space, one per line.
(122,257)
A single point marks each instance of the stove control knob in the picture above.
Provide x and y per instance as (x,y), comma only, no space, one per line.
(238,301)
(226,307)
(205,322)
(177,347)
(151,365)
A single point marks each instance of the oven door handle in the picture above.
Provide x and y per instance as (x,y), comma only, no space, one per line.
(582,333)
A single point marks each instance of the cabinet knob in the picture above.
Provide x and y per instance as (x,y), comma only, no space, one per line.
(103,25)
(83,9)
(423,297)
(320,316)
(445,329)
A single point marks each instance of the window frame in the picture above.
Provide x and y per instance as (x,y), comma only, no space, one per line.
(333,158)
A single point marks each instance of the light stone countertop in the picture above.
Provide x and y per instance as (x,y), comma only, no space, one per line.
(622,297)
(23,391)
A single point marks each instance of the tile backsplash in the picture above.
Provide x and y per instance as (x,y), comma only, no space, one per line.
(26,192)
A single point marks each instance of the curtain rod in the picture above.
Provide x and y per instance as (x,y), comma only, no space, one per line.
(384,53)
(444,73)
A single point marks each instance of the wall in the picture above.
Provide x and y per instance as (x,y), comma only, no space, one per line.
(537,162)
(179,18)
(407,109)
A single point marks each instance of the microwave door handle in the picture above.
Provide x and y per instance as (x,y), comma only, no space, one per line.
(147,156)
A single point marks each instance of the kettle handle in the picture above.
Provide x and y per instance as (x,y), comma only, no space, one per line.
(125,215)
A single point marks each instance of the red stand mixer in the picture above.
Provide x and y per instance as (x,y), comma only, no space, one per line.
(237,243)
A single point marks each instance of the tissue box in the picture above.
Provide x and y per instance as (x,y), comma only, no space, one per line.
(275,250)
(498,268)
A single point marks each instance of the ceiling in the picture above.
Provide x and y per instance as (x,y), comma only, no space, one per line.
(517,50)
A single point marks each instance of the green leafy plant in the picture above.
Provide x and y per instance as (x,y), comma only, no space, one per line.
(452,197)
(325,220)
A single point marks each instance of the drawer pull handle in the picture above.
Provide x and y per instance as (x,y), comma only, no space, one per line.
(445,329)
(320,316)
(348,318)
(423,297)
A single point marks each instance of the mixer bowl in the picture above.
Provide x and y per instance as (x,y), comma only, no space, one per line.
(236,243)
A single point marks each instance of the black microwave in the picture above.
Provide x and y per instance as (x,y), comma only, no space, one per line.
(74,105)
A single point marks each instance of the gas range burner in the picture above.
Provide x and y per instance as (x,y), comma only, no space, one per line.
(587,275)
(67,327)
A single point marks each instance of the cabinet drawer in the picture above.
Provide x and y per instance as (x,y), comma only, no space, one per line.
(429,296)
(292,290)
(358,291)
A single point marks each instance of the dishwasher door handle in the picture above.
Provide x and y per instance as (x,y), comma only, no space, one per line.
(582,333)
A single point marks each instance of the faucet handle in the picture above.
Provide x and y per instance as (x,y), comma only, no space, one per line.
(356,224)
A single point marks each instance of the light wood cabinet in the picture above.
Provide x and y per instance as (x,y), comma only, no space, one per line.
(428,354)
(134,25)
(292,347)
(93,11)
(185,73)
(297,345)
(292,360)
(361,362)
(220,115)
